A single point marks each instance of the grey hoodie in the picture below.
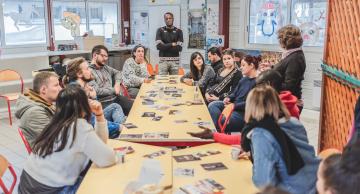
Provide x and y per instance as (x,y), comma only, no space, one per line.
(34,116)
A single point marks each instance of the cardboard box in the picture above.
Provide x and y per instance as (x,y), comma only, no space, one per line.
(87,43)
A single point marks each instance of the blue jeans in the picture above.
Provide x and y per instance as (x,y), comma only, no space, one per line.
(72,188)
(236,122)
(114,113)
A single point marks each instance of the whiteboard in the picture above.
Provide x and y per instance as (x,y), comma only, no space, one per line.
(156,20)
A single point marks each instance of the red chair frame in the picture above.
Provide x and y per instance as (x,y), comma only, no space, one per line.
(4,164)
(228,110)
(5,78)
(125,91)
(26,143)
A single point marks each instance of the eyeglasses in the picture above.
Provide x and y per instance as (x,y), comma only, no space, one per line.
(103,55)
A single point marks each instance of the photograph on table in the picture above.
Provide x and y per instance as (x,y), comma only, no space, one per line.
(184,172)
(155,154)
(157,118)
(156,135)
(202,186)
(131,136)
(214,166)
(126,149)
(148,114)
(186,158)
(129,125)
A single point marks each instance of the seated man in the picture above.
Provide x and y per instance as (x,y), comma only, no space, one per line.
(78,72)
(35,108)
(107,80)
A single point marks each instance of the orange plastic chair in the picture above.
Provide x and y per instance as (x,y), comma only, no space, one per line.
(181,71)
(328,152)
(157,69)
(8,75)
(227,113)
(4,165)
(150,69)
(124,90)
(26,143)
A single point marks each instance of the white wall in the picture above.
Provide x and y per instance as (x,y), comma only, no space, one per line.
(237,40)
(24,66)
(142,5)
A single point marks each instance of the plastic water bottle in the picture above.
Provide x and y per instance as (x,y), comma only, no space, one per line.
(196,90)
(161,92)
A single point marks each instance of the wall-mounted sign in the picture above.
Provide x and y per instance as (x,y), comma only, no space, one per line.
(215,41)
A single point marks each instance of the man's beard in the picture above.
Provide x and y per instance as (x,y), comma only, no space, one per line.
(87,79)
(99,63)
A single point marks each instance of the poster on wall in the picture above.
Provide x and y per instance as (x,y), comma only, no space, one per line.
(140,28)
(266,17)
(311,19)
(197,23)
(215,41)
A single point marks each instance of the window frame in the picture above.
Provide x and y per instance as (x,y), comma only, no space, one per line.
(39,47)
(272,47)
(36,46)
(87,22)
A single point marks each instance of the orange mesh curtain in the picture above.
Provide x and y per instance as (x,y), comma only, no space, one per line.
(342,50)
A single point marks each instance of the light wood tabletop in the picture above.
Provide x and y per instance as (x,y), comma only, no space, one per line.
(237,178)
(114,179)
(185,119)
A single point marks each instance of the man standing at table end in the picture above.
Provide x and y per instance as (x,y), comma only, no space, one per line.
(169,41)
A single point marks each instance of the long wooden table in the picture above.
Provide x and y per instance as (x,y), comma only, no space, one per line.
(114,179)
(236,179)
(178,136)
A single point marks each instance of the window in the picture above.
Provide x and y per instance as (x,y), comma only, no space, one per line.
(267,16)
(311,18)
(69,19)
(24,22)
(103,18)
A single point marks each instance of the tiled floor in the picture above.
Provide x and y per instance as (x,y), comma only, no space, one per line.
(12,147)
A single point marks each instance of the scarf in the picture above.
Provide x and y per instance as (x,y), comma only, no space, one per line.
(289,52)
(37,98)
(291,155)
(219,89)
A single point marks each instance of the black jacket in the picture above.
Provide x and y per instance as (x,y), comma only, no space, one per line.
(292,70)
(356,135)
(167,36)
(230,87)
(217,65)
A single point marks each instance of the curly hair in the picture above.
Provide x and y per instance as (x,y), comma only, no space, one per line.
(290,37)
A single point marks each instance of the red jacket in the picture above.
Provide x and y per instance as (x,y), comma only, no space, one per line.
(290,102)
(285,96)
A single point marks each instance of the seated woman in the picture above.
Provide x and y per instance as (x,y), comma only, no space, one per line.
(249,67)
(78,72)
(66,145)
(278,145)
(272,78)
(226,79)
(199,72)
(134,71)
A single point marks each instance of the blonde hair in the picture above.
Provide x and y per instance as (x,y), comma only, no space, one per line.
(264,100)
